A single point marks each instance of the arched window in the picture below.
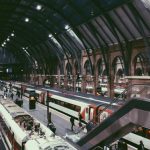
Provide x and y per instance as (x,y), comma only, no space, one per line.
(68,69)
(118,68)
(87,68)
(139,65)
(100,66)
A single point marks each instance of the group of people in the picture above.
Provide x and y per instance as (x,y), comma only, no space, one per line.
(7,91)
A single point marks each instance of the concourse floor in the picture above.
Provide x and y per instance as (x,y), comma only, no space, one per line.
(63,126)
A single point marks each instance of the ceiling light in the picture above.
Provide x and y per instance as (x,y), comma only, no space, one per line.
(12,34)
(8,39)
(38,7)
(23,48)
(66,27)
(4,43)
(92,13)
(50,35)
(26,20)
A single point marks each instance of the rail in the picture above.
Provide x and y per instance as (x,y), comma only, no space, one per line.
(139,89)
(120,123)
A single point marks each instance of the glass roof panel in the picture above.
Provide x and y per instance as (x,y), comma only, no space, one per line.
(134,26)
(119,24)
(106,28)
(75,37)
(102,33)
(146,3)
(89,36)
(71,46)
(145,13)
(76,40)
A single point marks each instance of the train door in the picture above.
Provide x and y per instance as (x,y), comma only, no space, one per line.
(45,97)
(87,114)
(91,113)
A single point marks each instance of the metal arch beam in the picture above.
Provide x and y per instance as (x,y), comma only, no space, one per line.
(58,51)
(47,60)
(27,29)
(17,46)
(17,55)
(124,25)
(45,27)
(34,10)
(109,19)
(72,41)
(91,28)
(31,52)
(59,14)
(43,59)
(72,44)
(134,11)
(88,54)
(104,49)
(126,12)
(111,27)
(138,18)
(103,30)
(33,38)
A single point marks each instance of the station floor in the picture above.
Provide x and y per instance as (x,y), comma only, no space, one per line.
(63,126)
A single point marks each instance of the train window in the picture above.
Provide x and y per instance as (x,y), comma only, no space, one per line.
(86,110)
(65,104)
(78,108)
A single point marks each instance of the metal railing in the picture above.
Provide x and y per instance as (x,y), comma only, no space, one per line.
(135,90)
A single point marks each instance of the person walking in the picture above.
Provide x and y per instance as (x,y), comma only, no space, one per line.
(12,95)
(141,146)
(80,119)
(18,93)
(72,123)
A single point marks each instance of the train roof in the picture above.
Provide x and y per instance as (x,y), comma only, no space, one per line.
(42,139)
(51,143)
(13,109)
(24,120)
(85,98)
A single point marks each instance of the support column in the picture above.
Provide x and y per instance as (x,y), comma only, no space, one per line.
(83,84)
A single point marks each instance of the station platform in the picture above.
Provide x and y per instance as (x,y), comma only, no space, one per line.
(63,126)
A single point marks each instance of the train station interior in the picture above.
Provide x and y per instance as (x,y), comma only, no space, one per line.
(75,75)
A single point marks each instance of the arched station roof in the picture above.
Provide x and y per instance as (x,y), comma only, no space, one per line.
(43,31)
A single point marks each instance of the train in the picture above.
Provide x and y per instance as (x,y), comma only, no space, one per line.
(21,131)
(71,104)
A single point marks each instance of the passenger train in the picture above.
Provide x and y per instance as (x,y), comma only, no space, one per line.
(70,104)
(21,131)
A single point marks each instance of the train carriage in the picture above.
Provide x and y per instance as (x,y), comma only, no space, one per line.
(72,104)
(69,104)
(23,132)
